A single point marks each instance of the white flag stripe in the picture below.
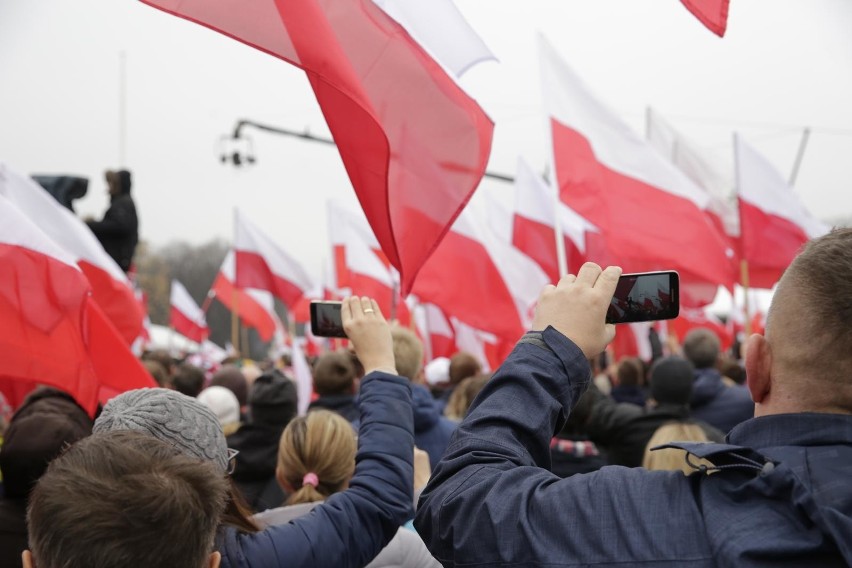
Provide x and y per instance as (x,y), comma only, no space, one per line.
(183,302)
(17,229)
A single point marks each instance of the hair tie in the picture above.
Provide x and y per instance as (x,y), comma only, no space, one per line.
(310,479)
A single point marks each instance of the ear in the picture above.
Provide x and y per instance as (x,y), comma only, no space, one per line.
(27,559)
(215,559)
(758,362)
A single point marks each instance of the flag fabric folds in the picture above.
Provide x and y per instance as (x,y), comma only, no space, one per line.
(110,287)
(262,264)
(412,171)
(649,213)
(712,13)
(774,222)
(253,311)
(185,316)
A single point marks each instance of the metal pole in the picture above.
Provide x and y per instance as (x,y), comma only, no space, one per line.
(122,108)
(806,134)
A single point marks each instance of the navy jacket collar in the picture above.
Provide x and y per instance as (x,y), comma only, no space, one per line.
(801,429)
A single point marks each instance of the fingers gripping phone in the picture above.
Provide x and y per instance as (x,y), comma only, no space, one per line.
(648,296)
(326,320)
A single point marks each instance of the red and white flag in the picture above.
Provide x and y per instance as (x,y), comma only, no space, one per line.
(185,316)
(651,215)
(412,171)
(360,266)
(110,287)
(52,333)
(712,13)
(262,264)
(252,306)
(534,220)
(481,280)
(692,318)
(774,222)
(437,332)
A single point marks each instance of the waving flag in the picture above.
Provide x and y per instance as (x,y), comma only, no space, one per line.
(712,13)
(110,287)
(253,307)
(414,144)
(774,222)
(262,264)
(650,214)
(185,316)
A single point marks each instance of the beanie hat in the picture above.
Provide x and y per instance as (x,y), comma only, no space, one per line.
(222,402)
(671,381)
(170,416)
(48,420)
(273,400)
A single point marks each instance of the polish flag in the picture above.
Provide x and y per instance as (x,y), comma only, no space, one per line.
(533,231)
(262,264)
(774,222)
(481,280)
(489,349)
(631,340)
(360,266)
(708,175)
(712,13)
(413,172)
(436,330)
(651,215)
(185,316)
(252,306)
(110,287)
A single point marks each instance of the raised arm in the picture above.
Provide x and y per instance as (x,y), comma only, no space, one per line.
(353,526)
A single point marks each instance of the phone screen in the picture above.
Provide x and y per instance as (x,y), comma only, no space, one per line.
(326,320)
(649,296)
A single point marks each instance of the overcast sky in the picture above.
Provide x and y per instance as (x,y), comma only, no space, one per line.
(783,65)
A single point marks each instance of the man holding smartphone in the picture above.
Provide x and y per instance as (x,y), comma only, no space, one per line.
(779,492)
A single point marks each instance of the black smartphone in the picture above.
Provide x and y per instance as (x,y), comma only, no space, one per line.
(648,296)
(326,320)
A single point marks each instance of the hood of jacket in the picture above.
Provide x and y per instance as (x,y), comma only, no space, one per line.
(707,386)
(426,412)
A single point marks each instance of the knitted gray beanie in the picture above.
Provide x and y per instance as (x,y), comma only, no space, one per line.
(169,416)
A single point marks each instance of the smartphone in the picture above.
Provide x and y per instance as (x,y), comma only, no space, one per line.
(326,320)
(648,296)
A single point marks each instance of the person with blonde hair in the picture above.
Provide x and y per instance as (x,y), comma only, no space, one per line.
(463,395)
(316,459)
(674,459)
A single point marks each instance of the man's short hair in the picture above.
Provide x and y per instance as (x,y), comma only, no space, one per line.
(462,366)
(672,381)
(188,380)
(125,498)
(812,310)
(334,373)
(701,346)
(407,352)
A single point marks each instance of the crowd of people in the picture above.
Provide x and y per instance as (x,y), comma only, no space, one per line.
(550,461)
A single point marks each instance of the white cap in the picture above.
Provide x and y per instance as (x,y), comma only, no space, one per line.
(223,403)
(438,371)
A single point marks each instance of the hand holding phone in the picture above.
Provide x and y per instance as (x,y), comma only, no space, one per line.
(648,296)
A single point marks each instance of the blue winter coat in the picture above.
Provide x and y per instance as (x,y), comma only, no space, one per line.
(718,404)
(352,526)
(432,431)
(782,498)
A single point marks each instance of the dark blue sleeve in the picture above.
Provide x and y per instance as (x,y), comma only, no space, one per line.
(491,501)
(352,526)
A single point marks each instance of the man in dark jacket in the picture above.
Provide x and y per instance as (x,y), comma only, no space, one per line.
(334,382)
(118,231)
(624,429)
(779,493)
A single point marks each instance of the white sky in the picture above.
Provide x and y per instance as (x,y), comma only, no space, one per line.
(783,65)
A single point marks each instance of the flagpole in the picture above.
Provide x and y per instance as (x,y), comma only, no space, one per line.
(806,133)
(561,259)
(122,108)
(745,283)
(744,273)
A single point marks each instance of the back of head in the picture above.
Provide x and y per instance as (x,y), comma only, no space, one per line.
(672,379)
(224,405)
(172,417)
(808,324)
(673,459)
(334,373)
(273,400)
(47,421)
(316,456)
(463,395)
(234,380)
(407,352)
(630,372)
(188,379)
(701,346)
(125,499)
(462,366)
(157,371)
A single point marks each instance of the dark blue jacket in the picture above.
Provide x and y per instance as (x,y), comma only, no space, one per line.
(717,404)
(783,499)
(352,526)
(432,431)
